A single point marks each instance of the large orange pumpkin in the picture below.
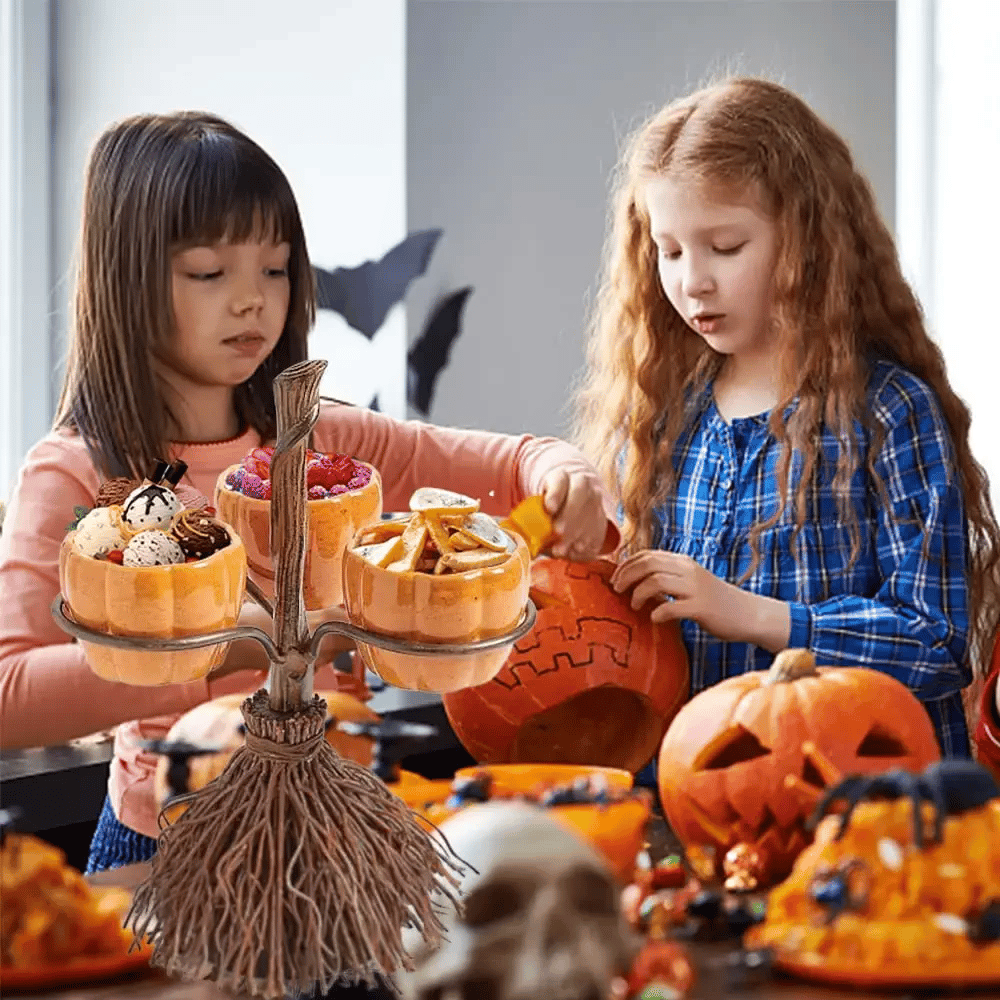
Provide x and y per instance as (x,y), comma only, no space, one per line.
(218,723)
(746,760)
(333,522)
(594,682)
(427,608)
(159,602)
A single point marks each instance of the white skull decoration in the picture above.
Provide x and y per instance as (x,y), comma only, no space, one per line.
(541,920)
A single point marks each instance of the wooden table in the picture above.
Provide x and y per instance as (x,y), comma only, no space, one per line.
(714,980)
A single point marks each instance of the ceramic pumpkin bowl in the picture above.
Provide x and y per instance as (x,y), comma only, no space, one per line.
(593,682)
(219,723)
(154,602)
(745,761)
(333,521)
(868,905)
(616,828)
(424,607)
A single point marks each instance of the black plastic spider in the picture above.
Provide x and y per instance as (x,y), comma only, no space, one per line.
(845,887)
(392,740)
(951,786)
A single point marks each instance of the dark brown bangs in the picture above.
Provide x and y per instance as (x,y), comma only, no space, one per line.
(232,191)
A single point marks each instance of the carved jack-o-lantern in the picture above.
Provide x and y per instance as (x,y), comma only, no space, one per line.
(594,682)
(746,760)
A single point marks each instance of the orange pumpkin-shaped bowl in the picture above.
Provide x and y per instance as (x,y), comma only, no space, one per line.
(154,602)
(451,608)
(746,760)
(593,682)
(219,722)
(616,829)
(333,522)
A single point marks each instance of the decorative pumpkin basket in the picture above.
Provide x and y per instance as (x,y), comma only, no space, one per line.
(593,682)
(394,586)
(154,602)
(333,522)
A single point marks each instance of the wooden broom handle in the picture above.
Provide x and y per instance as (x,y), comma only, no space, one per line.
(296,401)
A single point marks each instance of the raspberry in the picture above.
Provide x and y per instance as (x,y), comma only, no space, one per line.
(254,486)
(337,489)
(317,493)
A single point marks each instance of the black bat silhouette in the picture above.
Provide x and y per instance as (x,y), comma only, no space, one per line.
(363,295)
(429,355)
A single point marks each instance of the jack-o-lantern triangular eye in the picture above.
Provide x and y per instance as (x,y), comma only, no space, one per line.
(734,745)
(879,742)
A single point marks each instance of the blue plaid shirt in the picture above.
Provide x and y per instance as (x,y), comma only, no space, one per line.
(901,608)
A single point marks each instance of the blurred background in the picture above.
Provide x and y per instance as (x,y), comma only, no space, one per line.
(498,122)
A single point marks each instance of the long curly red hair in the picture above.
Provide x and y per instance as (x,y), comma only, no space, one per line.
(839,299)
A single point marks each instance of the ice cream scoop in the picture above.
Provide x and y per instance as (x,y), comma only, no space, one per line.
(151,506)
(115,491)
(199,534)
(152,548)
(100,532)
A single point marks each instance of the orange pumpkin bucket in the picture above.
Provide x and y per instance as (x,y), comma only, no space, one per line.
(593,682)
(444,575)
(154,602)
(333,522)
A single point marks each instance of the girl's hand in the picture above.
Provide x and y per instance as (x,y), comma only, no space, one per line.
(575,502)
(686,589)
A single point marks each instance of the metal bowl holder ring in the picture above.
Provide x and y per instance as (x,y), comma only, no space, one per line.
(290,828)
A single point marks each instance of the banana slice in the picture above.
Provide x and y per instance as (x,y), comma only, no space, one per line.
(412,540)
(382,553)
(483,529)
(461,562)
(429,499)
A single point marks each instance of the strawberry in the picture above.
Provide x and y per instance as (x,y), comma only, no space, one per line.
(116,556)
(209,510)
(343,466)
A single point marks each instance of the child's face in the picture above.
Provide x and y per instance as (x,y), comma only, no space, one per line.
(716,263)
(230,302)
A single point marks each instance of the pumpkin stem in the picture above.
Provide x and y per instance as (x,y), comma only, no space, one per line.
(790,665)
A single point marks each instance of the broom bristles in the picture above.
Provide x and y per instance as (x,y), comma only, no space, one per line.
(294,869)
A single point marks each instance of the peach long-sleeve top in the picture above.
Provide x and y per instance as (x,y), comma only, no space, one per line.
(49,695)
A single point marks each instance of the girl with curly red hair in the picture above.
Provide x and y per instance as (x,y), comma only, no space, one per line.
(791,462)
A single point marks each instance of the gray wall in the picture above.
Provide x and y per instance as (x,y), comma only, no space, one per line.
(515,111)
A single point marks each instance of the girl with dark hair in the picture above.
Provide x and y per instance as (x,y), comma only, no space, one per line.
(194,291)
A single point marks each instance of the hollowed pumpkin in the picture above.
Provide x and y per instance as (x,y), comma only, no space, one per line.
(333,522)
(217,723)
(746,760)
(447,608)
(594,682)
(158,602)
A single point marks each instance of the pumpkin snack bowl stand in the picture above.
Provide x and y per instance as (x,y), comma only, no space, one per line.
(593,682)
(306,849)
(333,522)
(153,603)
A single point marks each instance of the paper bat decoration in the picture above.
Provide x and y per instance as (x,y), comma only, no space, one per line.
(429,355)
(363,295)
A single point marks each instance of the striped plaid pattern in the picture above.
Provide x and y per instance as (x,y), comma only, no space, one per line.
(901,608)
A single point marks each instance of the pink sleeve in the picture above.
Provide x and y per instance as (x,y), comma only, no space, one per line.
(498,469)
(48,694)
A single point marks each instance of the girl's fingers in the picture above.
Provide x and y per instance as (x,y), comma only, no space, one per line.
(652,588)
(555,486)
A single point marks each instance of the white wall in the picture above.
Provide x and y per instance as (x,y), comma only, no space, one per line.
(319,84)
(514,115)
